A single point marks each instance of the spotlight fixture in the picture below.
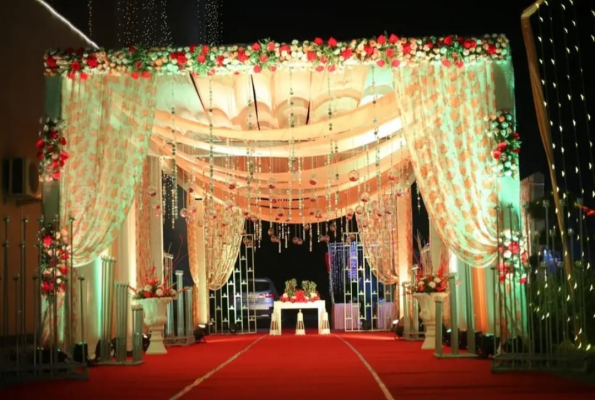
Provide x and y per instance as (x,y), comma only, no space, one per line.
(200,332)
(146,341)
(398,328)
(233,329)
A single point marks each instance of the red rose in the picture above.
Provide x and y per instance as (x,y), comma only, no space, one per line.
(523,280)
(332,42)
(332,68)
(390,53)
(319,68)
(75,66)
(83,76)
(446,63)
(347,54)
(146,74)
(257,68)
(502,146)
(40,155)
(381,63)
(256,46)
(517,151)
(56,175)
(139,64)
(131,49)
(324,59)
(285,49)
(459,63)
(496,154)
(392,39)
(381,40)
(51,62)
(407,48)
(205,49)
(40,144)
(62,141)
(92,62)
(448,40)
(395,63)
(369,50)
(134,75)
(219,60)
(516,135)
(311,56)
(318,41)
(192,48)
(271,46)
(242,57)
(491,49)
(201,58)
(263,58)
(272,68)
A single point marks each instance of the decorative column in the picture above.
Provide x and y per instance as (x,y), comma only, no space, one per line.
(404,241)
(202,297)
(126,261)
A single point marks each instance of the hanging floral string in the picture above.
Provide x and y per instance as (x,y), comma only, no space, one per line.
(55,253)
(508,145)
(513,256)
(50,150)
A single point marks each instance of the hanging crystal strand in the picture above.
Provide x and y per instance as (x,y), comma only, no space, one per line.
(291,159)
(174,186)
(376,136)
(211,152)
(163,196)
(328,156)
(418,199)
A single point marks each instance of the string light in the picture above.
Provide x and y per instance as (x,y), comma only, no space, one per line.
(165,34)
(90,7)
(212,21)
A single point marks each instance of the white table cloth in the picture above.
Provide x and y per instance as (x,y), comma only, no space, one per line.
(279,306)
(385,316)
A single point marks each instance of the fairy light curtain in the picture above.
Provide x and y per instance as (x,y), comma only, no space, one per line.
(109,120)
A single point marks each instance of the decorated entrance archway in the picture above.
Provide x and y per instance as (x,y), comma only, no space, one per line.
(311,134)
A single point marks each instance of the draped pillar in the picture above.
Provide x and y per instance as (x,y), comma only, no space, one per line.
(197,260)
(405,244)
(444,112)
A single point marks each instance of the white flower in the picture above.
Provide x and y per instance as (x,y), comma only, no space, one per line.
(432,285)
(507,254)
(147,288)
(159,292)
(437,280)
(421,283)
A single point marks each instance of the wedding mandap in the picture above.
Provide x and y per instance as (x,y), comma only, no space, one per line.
(300,134)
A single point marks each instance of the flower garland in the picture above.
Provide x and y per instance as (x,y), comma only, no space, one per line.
(319,55)
(50,151)
(55,253)
(508,148)
(150,286)
(513,256)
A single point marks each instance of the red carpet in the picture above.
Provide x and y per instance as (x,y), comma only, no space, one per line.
(159,378)
(313,367)
(293,367)
(410,373)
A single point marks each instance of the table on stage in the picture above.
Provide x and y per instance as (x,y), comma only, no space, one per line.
(279,306)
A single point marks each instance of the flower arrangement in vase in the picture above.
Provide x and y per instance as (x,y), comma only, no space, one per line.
(150,286)
(427,280)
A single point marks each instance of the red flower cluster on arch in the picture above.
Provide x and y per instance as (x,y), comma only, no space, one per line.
(386,50)
(508,144)
(50,151)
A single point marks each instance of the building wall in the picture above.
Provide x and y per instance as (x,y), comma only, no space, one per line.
(30,29)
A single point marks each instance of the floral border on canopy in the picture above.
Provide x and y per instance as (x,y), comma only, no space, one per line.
(320,55)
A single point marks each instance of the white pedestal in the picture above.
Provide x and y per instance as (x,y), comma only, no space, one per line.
(428,316)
